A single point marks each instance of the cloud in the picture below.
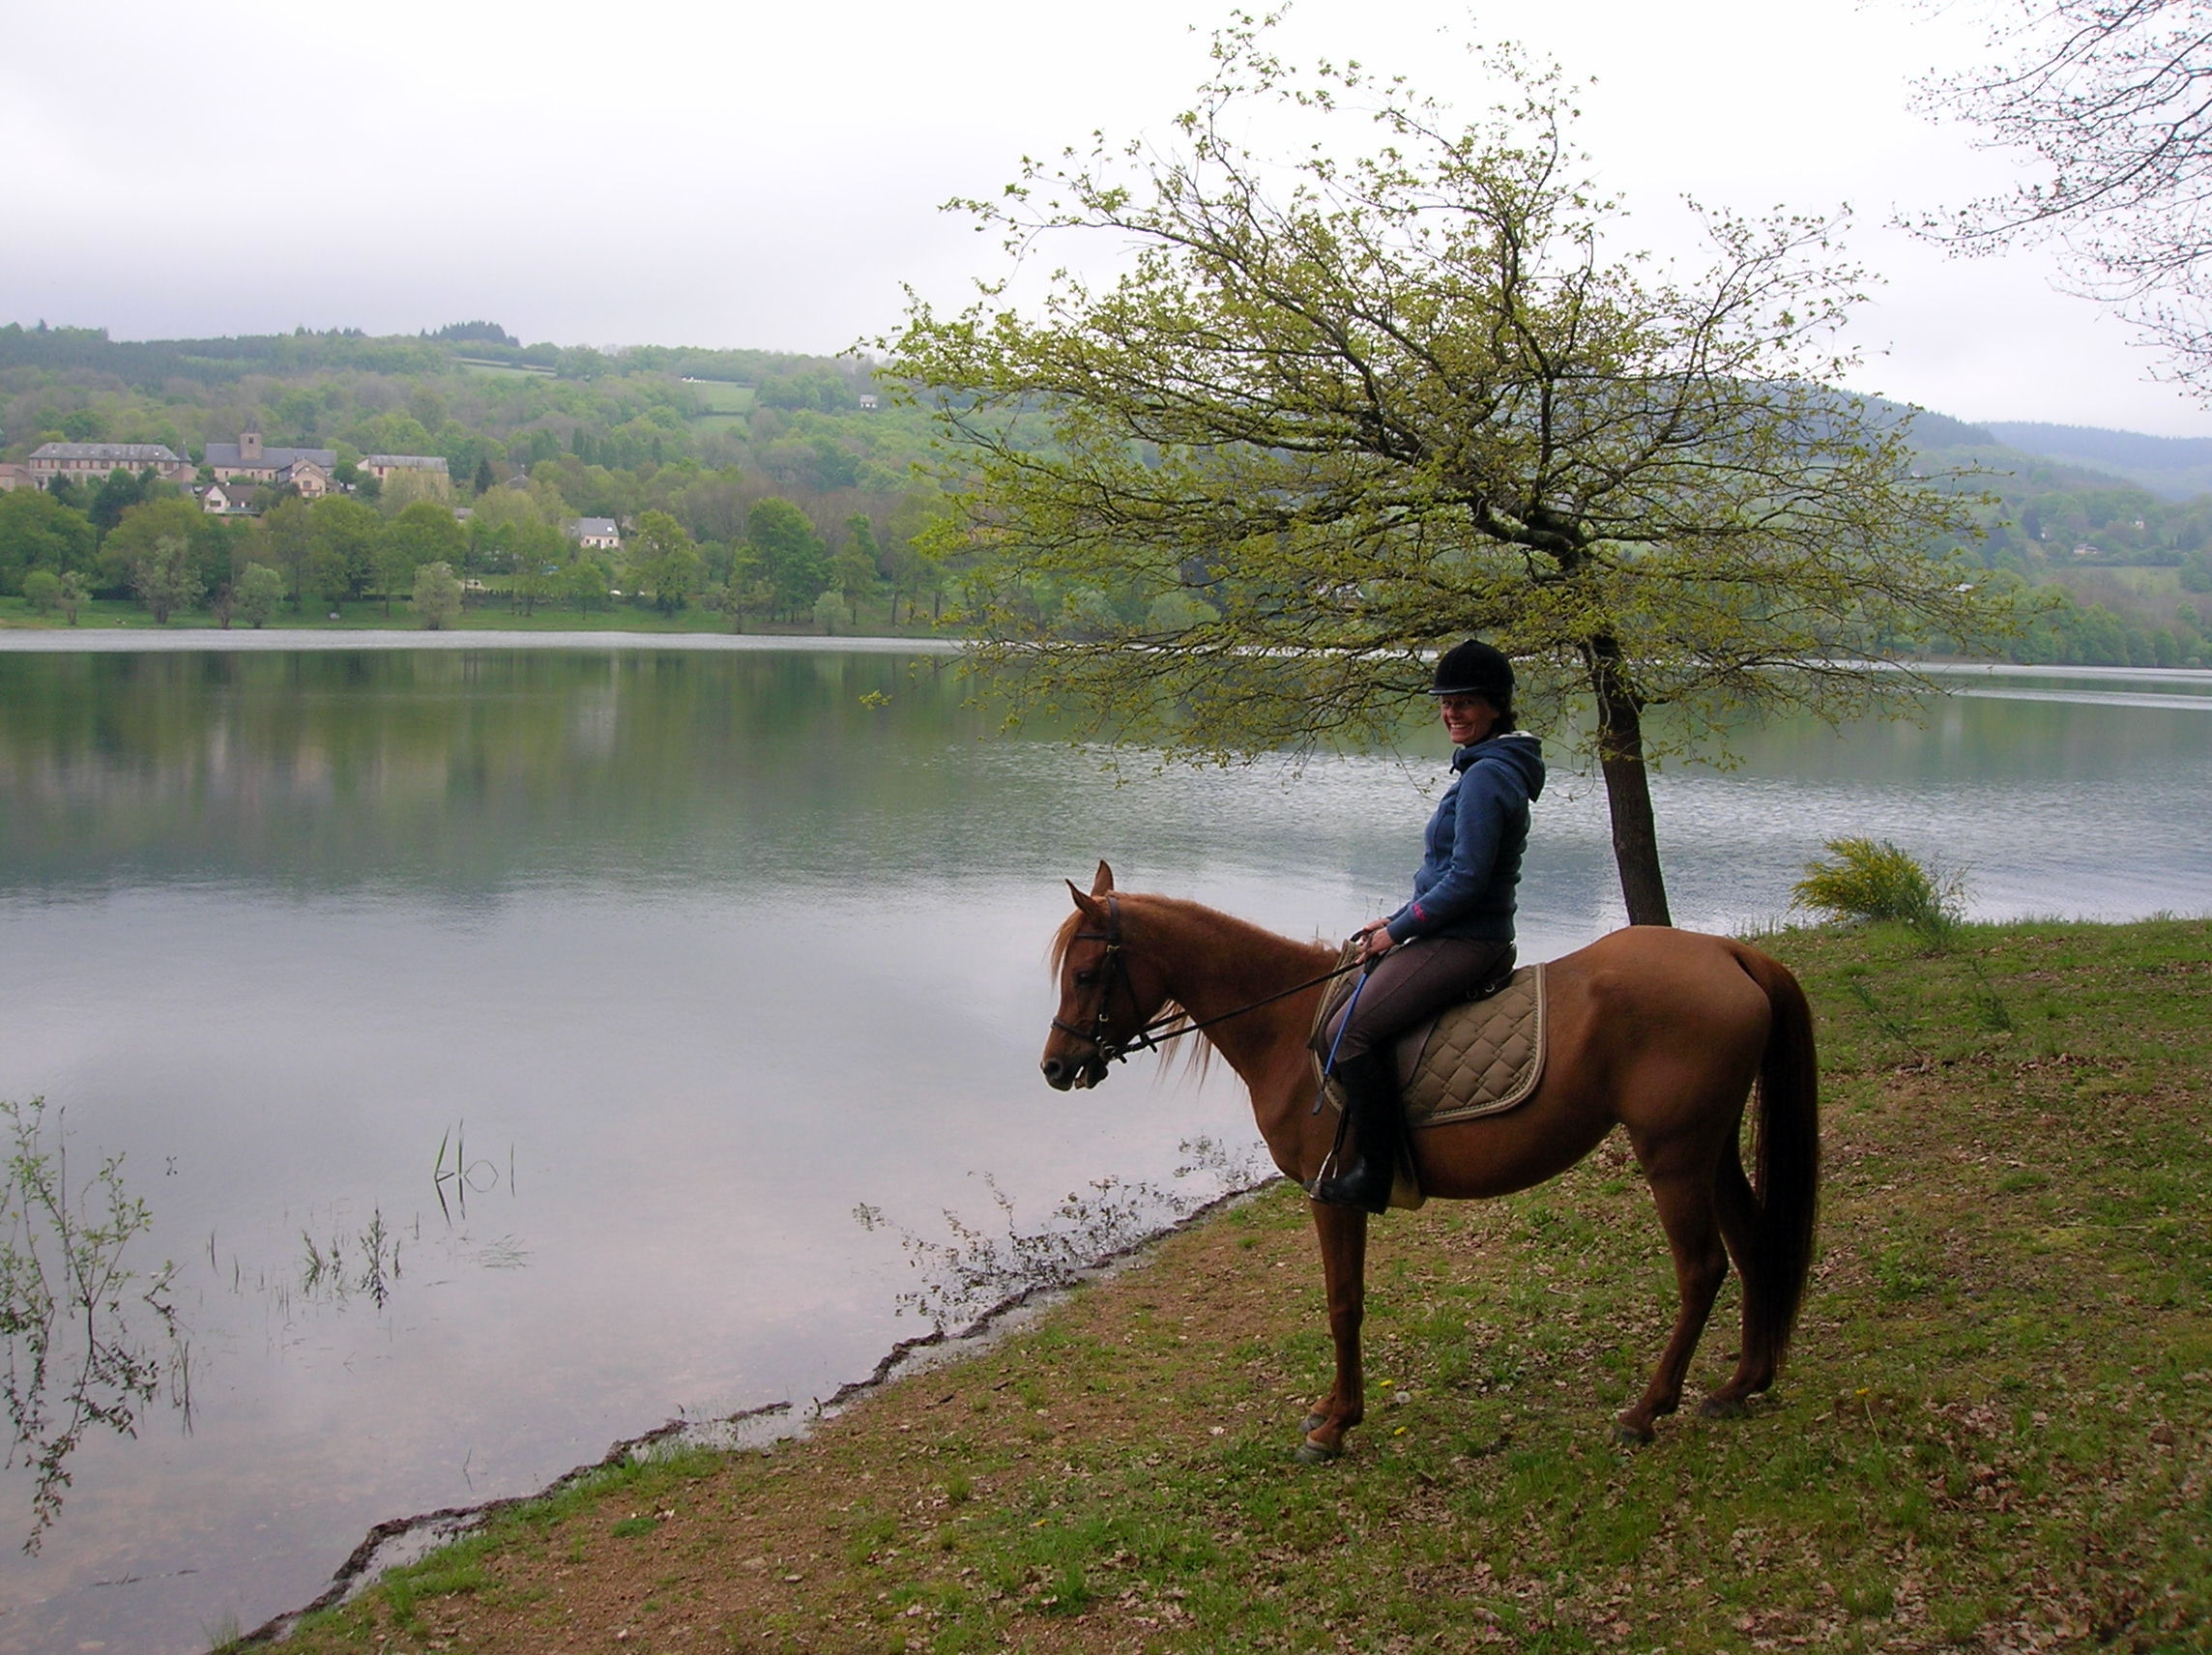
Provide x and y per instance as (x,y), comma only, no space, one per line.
(757,175)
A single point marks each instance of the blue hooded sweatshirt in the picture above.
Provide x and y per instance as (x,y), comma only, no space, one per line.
(1471,858)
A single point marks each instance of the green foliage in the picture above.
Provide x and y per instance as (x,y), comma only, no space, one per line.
(42,590)
(163,578)
(1364,400)
(437,595)
(663,561)
(260,589)
(38,532)
(792,559)
(1874,879)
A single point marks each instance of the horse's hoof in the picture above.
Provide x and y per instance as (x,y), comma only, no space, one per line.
(1627,1435)
(1722,1408)
(1312,1453)
(1314,1422)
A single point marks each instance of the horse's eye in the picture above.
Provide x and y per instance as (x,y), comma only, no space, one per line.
(1084,979)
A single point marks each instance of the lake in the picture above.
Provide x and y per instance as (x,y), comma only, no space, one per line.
(502,1040)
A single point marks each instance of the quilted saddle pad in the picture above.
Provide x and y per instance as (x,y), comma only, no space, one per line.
(1481,1056)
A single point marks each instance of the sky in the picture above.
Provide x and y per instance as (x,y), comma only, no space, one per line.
(734,174)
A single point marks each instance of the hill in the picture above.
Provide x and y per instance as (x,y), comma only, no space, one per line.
(2121,521)
(2174,468)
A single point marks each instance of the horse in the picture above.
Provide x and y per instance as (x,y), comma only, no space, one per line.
(1661,1031)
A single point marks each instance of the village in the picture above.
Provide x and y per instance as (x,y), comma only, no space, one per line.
(242,478)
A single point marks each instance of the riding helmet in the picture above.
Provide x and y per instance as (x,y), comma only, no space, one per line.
(1474,668)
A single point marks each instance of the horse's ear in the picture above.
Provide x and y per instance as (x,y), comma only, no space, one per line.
(1088,907)
(1104,881)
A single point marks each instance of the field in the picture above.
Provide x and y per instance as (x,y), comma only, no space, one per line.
(1995,1433)
(526,370)
(722,395)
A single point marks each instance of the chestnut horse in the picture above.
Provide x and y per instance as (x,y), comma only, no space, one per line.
(1659,1030)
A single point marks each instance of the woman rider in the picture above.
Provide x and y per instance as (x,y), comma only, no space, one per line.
(1455,936)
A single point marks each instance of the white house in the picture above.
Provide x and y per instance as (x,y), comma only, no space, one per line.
(599,533)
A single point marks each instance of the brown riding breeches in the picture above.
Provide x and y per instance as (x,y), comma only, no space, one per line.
(1414,980)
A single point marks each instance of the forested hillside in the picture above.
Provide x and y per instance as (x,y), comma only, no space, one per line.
(778,486)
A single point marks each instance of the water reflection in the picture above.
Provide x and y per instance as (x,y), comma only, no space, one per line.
(473,772)
(91,1345)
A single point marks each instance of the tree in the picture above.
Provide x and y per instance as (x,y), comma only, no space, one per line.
(347,536)
(437,595)
(426,533)
(287,537)
(141,528)
(42,590)
(792,559)
(585,581)
(114,497)
(664,561)
(396,567)
(257,594)
(38,532)
(745,588)
(165,579)
(2113,99)
(74,595)
(854,570)
(1365,403)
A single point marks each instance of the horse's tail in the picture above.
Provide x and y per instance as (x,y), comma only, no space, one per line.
(1785,1164)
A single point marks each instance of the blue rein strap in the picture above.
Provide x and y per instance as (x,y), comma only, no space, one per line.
(1320,1096)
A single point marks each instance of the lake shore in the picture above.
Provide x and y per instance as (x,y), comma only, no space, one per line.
(1994,1429)
(120,640)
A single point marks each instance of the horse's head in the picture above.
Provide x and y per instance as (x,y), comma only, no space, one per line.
(1107,996)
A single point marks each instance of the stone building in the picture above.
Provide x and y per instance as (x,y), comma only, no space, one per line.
(92,462)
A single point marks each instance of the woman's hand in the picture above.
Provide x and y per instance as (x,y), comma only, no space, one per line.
(1376,940)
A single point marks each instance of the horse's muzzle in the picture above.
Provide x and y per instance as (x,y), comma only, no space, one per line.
(1062,1074)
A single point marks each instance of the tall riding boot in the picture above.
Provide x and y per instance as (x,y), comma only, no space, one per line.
(1375,1126)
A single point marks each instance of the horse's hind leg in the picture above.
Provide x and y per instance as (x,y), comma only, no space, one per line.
(1343,1234)
(1686,1212)
(1738,1212)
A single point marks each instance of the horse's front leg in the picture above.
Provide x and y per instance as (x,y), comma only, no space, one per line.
(1343,1234)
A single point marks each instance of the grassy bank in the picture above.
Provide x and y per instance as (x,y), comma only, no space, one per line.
(1994,1433)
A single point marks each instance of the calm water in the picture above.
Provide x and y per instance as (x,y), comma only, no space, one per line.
(588,992)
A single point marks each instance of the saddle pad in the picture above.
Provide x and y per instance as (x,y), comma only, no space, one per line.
(1481,1056)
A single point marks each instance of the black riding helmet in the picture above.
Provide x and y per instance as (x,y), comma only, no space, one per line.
(1474,668)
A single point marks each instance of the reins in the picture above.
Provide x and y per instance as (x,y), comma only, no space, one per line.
(1150,1037)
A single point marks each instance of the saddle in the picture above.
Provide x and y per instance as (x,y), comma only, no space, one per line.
(1484,1056)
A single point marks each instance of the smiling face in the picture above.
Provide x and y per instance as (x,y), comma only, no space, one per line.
(1467,718)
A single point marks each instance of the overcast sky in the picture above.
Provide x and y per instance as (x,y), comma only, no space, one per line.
(736,174)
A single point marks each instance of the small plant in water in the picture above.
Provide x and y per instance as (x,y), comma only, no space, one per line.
(977,1269)
(1872,879)
(71,1362)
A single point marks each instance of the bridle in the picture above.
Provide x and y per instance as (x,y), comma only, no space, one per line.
(1152,1035)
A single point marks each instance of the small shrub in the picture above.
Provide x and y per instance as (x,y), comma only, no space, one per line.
(1871,879)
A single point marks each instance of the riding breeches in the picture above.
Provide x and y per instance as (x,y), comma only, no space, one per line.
(1414,980)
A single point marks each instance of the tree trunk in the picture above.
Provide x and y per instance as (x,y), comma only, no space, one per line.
(1627,786)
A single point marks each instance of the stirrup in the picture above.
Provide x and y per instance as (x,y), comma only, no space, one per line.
(1360,1185)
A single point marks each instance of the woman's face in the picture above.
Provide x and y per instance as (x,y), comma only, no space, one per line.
(1467,718)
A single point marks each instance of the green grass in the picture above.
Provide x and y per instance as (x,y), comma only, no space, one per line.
(721,395)
(1993,1432)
